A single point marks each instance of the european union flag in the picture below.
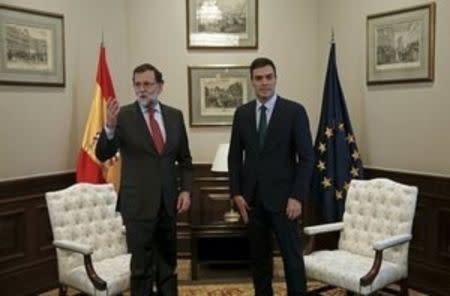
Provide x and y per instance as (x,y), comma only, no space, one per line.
(337,157)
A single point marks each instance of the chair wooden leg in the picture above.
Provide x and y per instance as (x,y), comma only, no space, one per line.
(62,290)
(404,287)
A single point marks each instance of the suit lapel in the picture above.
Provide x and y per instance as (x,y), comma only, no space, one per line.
(168,126)
(252,122)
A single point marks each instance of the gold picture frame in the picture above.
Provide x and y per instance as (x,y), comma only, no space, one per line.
(400,45)
(222,24)
(31,47)
(215,91)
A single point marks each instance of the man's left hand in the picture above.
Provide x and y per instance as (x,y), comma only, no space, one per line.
(183,202)
(294,208)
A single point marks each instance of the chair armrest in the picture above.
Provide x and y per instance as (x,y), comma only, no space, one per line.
(391,242)
(323,228)
(379,246)
(96,280)
(311,232)
(73,246)
(86,251)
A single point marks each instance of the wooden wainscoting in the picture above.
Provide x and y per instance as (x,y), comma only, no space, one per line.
(429,260)
(211,197)
(28,262)
(27,257)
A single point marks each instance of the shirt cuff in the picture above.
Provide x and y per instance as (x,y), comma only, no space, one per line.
(109,132)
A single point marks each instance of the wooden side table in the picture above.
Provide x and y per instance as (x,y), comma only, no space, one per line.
(218,243)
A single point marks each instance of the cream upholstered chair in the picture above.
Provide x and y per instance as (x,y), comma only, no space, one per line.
(374,239)
(89,239)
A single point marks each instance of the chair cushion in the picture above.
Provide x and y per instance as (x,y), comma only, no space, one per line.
(343,269)
(115,271)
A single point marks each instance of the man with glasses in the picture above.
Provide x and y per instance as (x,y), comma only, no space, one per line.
(152,139)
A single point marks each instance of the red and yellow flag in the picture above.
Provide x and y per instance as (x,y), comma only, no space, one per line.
(89,168)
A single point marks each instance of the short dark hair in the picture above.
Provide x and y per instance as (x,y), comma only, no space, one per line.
(262,62)
(148,67)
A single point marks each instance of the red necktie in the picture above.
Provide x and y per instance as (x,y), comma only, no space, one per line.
(155,131)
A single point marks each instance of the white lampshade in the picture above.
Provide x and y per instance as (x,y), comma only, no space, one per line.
(220,163)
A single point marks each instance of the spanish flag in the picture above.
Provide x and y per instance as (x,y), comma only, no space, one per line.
(89,168)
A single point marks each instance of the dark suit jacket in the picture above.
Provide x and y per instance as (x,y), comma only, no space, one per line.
(147,176)
(283,167)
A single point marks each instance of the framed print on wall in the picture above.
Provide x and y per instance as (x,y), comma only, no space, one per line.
(400,45)
(222,23)
(215,91)
(31,47)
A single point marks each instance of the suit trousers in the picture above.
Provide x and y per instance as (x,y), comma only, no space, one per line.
(261,222)
(153,248)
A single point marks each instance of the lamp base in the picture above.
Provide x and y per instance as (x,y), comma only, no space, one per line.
(231,216)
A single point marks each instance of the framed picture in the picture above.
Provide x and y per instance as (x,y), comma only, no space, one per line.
(31,47)
(215,92)
(222,23)
(400,45)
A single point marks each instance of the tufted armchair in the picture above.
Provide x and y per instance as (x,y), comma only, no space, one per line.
(89,239)
(374,239)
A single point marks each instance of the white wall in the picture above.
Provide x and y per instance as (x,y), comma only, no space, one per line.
(288,32)
(51,121)
(400,127)
(42,126)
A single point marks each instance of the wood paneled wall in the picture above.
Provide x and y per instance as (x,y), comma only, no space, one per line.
(429,256)
(27,257)
(28,262)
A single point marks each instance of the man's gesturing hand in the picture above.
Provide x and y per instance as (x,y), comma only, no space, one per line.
(112,110)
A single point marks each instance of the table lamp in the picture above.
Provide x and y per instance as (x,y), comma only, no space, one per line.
(220,165)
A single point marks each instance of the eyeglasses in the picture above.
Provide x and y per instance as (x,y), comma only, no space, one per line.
(145,84)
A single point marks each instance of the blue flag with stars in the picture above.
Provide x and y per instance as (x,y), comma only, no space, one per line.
(337,159)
